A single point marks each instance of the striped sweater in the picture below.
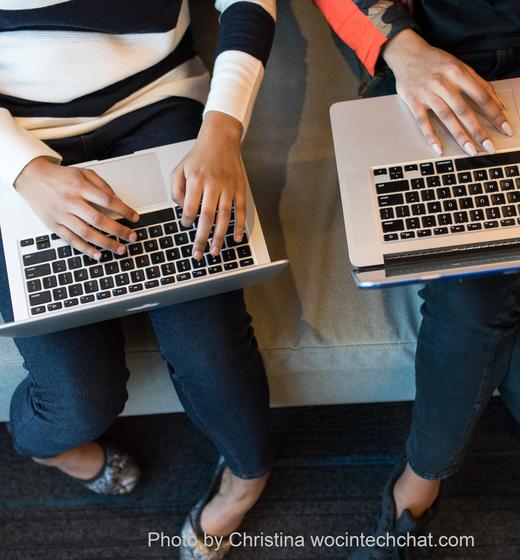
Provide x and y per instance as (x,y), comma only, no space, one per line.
(70,66)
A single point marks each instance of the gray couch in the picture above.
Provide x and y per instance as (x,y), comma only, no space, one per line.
(323,340)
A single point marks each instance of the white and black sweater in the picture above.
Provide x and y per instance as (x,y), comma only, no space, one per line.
(70,66)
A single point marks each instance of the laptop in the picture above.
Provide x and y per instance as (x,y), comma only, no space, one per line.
(55,287)
(413,218)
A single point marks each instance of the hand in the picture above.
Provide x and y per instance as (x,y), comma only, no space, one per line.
(65,198)
(429,79)
(212,175)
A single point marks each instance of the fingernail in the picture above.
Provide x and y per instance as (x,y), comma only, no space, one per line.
(470,149)
(238,237)
(197,255)
(135,218)
(133,237)
(437,149)
(214,251)
(488,146)
(97,256)
(121,250)
(506,127)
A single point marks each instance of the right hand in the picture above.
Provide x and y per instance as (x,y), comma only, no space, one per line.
(431,80)
(65,198)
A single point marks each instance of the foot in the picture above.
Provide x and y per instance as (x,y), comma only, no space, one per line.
(83,462)
(225,512)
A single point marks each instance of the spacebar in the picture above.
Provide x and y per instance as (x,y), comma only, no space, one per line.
(150,218)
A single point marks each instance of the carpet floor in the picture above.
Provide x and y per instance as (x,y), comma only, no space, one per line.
(332,463)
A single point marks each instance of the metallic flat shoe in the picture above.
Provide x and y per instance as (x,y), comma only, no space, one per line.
(194,547)
(120,473)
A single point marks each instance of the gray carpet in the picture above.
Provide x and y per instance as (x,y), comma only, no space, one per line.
(332,464)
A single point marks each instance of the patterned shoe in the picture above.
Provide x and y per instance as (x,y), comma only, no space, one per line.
(194,547)
(120,473)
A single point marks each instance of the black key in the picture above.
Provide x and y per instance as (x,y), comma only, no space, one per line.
(59,294)
(418,209)
(386,213)
(424,232)
(392,187)
(38,310)
(87,261)
(97,271)
(135,288)
(87,299)
(427,195)
(443,192)
(26,242)
(151,284)
(173,254)
(91,286)
(380,171)
(65,278)
(127,264)
(417,183)
(122,279)
(433,181)
(509,211)
(498,199)
(247,262)
(231,265)
(74,263)
(150,246)
(41,238)
(171,228)
(65,252)
(476,188)
(427,169)
(213,259)
(440,231)
(142,234)
(466,203)
(155,231)
(183,277)
(167,280)
(434,207)
(476,215)
(511,171)
(464,177)
(186,251)
(496,173)
(106,283)
(59,266)
(492,213)
(411,167)
(491,225)
(54,236)
(183,266)
(75,290)
(113,267)
(450,205)
(460,190)
(480,175)
(106,256)
(137,276)
(181,238)
(80,275)
(166,242)
(444,219)
(50,282)
(76,252)
(457,229)
(197,264)
(41,245)
(396,172)
(150,218)
(392,225)
(168,269)
(40,298)
(474,227)
(229,255)
(103,295)
(507,222)
(34,286)
(507,185)
(491,186)
(119,292)
(215,269)
(135,249)
(244,252)
(413,223)
(449,179)
(391,237)
(199,273)
(412,197)
(460,217)
(142,261)
(390,200)
(482,201)
(428,221)
(513,196)
(407,234)
(445,166)
(32,259)
(54,306)
(178,212)
(157,258)
(153,272)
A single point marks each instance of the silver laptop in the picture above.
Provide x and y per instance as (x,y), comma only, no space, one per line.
(412,218)
(54,287)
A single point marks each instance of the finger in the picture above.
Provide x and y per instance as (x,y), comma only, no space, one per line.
(223,217)
(206,221)
(191,205)
(100,221)
(240,215)
(108,199)
(487,86)
(422,116)
(178,184)
(75,241)
(92,236)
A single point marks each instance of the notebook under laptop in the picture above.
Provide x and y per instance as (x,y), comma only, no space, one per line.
(54,287)
(412,218)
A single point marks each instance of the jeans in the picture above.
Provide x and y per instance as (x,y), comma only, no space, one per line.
(76,382)
(469,340)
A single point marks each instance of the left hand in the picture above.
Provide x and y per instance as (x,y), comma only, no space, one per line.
(211,177)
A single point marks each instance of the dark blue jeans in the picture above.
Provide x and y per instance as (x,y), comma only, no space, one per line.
(76,382)
(469,340)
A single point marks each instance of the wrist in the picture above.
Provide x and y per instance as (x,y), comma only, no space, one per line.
(34,168)
(222,124)
(398,47)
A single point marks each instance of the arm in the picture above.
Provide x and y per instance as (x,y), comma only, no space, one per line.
(366,25)
(211,176)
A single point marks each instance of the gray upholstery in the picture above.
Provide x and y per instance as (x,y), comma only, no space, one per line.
(323,340)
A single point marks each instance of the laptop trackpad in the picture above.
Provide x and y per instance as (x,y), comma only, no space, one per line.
(137,180)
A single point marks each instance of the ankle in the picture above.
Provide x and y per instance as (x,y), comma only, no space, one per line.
(82,462)
(414,493)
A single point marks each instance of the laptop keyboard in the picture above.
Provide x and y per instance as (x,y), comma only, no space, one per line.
(450,196)
(58,277)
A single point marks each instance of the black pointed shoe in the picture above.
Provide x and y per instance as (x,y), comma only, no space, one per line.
(389,525)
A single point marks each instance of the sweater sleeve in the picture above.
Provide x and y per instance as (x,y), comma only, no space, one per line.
(366,25)
(244,45)
(18,147)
